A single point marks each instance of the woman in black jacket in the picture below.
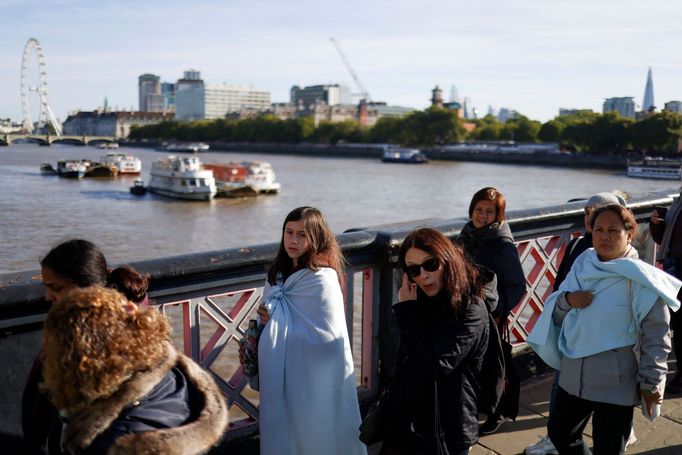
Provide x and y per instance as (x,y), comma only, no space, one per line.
(489,242)
(443,324)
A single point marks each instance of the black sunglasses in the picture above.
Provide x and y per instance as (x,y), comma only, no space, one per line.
(430,265)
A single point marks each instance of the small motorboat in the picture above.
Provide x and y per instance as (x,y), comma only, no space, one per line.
(47,169)
(138,188)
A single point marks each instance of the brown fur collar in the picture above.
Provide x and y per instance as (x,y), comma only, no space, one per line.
(193,438)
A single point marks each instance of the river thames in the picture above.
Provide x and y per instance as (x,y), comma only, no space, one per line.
(38,211)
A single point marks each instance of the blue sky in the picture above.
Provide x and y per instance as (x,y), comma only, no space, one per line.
(530,55)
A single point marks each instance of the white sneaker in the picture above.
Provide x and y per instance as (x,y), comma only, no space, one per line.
(631,439)
(543,447)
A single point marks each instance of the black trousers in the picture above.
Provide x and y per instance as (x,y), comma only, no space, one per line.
(676,327)
(611,425)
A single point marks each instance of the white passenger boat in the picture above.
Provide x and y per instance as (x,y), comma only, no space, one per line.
(126,163)
(192,147)
(655,168)
(393,154)
(245,178)
(183,178)
(107,145)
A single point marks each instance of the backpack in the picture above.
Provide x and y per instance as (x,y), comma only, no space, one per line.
(491,378)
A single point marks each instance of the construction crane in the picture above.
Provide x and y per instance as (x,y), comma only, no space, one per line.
(363,91)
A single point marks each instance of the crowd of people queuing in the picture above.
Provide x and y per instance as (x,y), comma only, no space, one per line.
(108,378)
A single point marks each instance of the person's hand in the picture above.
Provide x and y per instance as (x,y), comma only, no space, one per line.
(408,290)
(263,314)
(655,219)
(651,399)
(579,299)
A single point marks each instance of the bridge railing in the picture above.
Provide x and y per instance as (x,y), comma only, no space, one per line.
(210,297)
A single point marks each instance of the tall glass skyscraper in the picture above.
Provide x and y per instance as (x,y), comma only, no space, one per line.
(648,101)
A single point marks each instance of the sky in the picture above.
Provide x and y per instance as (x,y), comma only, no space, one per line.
(533,56)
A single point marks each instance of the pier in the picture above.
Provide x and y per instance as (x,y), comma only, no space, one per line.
(211,296)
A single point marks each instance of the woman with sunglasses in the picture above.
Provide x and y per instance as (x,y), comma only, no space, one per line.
(443,324)
(489,242)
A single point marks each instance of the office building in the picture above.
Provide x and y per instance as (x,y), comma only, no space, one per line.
(648,100)
(625,106)
(330,94)
(168,93)
(223,99)
(674,106)
(149,92)
(190,97)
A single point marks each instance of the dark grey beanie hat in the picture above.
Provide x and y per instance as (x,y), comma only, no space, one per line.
(600,199)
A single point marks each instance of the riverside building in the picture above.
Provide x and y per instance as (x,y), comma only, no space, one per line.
(116,124)
(625,106)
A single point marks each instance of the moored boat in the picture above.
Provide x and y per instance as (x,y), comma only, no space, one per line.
(191,147)
(127,164)
(71,169)
(183,178)
(394,154)
(107,145)
(101,170)
(47,169)
(655,168)
(138,188)
(244,179)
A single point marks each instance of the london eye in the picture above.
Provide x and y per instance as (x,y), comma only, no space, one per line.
(34,89)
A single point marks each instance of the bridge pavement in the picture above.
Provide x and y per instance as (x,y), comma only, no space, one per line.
(662,437)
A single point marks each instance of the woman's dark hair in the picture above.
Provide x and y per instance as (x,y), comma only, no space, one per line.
(322,247)
(129,282)
(625,215)
(81,262)
(493,195)
(460,276)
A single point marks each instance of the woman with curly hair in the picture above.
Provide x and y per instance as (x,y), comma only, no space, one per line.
(119,384)
(70,265)
(308,397)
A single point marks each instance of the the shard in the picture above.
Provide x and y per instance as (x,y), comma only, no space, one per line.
(648,102)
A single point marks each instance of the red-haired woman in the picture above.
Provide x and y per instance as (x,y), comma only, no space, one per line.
(489,242)
(308,397)
(443,324)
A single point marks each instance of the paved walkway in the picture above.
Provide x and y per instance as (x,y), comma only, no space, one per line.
(664,436)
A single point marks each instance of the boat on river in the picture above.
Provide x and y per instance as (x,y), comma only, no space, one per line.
(191,147)
(182,178)
(127,164)
(72,169)
(47,169)
(107,145)
(244,178)
(105,170)
(655,168)
(138,188)
(393,154)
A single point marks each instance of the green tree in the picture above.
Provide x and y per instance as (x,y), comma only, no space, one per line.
(550,131)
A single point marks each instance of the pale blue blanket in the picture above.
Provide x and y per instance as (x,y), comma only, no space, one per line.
(607,323)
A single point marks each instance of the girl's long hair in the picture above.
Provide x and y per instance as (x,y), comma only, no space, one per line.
(460,276)
(323,251)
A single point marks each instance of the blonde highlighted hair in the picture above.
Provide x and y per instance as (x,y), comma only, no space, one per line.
(94,341)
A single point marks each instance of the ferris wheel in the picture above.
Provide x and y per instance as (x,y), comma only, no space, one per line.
(34,80)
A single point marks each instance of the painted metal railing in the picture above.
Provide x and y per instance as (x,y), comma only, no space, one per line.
(210,297)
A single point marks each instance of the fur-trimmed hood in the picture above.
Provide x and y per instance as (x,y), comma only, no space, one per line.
(194,437)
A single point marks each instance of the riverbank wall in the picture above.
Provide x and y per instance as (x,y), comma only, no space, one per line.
(375,151)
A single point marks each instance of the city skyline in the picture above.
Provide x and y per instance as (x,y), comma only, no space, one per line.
(525,55)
